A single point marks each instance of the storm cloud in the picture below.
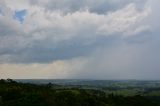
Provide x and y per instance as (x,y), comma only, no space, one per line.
(108,39)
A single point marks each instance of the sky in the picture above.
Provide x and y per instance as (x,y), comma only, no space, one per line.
(86,39)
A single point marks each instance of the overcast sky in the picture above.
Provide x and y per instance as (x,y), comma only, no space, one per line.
(80,39)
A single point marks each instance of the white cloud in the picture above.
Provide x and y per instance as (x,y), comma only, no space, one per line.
(55,24)
(125,21)
(74,23)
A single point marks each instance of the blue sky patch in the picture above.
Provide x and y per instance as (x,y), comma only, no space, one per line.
(20,15)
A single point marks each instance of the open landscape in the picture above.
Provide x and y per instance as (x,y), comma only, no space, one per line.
(79,53)
(79,93)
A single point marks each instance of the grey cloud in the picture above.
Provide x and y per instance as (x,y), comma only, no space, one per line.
(59,37)
(47,51)
(47,35)
(96,6)
(131,61)
(116,39)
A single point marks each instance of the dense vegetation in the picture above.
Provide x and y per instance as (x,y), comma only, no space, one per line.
(26,94)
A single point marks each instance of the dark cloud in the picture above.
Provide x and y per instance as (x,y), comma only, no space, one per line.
(100,7)
(47,51)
